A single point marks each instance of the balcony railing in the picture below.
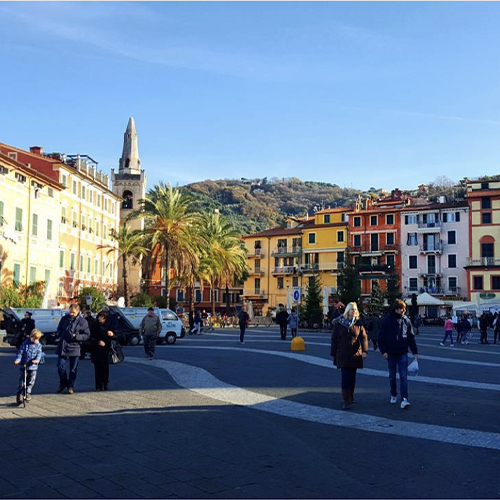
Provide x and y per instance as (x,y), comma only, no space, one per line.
(432,226)
(323,266)
(254,292)
(294,250)
(483,261)
(257,272)
(370,268)
(432,248)
(285,270)
(431,271)
(373,248)
(256,252)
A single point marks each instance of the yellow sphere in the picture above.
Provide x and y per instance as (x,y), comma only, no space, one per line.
(298,344)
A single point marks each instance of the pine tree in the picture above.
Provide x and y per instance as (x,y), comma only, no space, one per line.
(313,310)
(376,305)
(393,288)
(348,284)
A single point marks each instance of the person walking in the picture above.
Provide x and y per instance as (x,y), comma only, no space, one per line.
(197,323)
(72,330)
(293,321)
(243,319)
(395,337)
(26,327)
(448,332)
(483,328)
(374,329)
(101,334)
(463,328)
(282,320)
(191,322)
(150,330)
(349,346)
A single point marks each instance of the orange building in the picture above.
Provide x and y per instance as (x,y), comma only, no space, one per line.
(375,239)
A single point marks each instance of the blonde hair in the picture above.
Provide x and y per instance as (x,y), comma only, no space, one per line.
(37,334)
(354,307)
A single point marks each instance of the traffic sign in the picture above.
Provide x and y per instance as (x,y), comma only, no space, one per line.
(88,300)
(296,293)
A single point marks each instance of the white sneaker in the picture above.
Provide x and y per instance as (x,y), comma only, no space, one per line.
(394,400)
(241,342)
(405,404)
(452,345)
(440,343)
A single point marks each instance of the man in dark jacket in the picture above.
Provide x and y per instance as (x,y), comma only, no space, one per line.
(243,319)
(282,320)
(73,329)
(395,336)
(27,326)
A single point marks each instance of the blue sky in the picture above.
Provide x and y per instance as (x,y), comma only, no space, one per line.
(358,94)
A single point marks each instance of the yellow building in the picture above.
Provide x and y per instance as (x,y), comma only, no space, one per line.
(85,216)
(29,237)
(282,258)
(483,264)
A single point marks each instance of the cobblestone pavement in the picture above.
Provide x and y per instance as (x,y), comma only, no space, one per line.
(210,418)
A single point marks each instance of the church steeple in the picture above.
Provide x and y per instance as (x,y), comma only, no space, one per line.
(130,162)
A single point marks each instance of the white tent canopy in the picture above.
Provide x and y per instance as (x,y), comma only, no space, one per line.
(425,299)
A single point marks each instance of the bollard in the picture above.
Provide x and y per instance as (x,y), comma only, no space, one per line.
(298,344)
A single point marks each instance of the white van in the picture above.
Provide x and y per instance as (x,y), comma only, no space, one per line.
(171,325)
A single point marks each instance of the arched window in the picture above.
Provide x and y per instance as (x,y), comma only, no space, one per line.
(487,247)
(128,200)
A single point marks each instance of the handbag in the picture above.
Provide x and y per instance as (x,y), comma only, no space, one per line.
(115,355)
(413,368)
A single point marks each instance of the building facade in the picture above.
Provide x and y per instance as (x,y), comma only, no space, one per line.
(434,249)
(483,263)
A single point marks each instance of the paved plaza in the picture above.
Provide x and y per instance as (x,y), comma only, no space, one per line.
(210,418)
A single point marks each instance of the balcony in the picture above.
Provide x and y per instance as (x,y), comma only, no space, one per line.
(256,272)
(324,266)
(373,268)
(483,262)
(430,271)
(432,248)
(433,290)
(429,227)
(256,253)
(285,270)
(373,249)
(294,250)
(254,292)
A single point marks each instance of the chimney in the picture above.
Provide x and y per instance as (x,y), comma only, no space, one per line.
(37,150)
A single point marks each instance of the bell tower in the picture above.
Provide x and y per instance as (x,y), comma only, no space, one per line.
(130,184)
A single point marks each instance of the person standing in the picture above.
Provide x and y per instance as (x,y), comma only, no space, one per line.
(25,329)
(243,319)
(293,321)
(463,328)
(73,329)
(150,330)
(348,348)
(197,323)
(282,320)
(191,322)
(374,329)
(101,334)
(483,328)
(448,332)
(28,356)
(395,337)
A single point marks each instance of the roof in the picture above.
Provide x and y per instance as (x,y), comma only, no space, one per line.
(276,231)
(436,205)
(334,210)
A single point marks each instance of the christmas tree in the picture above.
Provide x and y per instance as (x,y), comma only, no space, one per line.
(376,305)
(313,310)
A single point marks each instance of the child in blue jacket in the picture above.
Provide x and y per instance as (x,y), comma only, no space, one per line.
(29,354)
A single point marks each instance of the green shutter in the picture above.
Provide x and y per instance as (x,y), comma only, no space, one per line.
(19,219)
(34,227)
(1,213)
(47,276)
(61,258)
(17,274)
(49,229)
(32,275)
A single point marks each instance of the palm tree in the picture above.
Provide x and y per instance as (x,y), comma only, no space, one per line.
(131,246)
(170,222)
(224,258)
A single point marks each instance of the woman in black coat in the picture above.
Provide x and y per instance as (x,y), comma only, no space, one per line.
(101,335)
(349,348)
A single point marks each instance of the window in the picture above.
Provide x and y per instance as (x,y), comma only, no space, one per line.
(63,215)
(390,238)
(17,274)
(111,270)
(90,195)
(412,262)
(106,204)
(452,237)
(410,219)
(96,267)
(485,203)
(89,265)
(49,229)
(412,240)
(452,283)
(357,221)
(75,219)
(72,260)
(84,192)
(34,225)
(373,220)
(390,259)
(295,281)
(326,219)
(357,240)
(32,275)
(340,257)
(180,296)
(495,282)
(486,217)
(197,295)
(60,290)
(477,282)
(61,259)
(485,185)
(74,187)
(81,263)
(12,155)
(340,236)
(20,178)
(64,180)
(312,238)
(389,219)
(98,200)
(50,192)
(280,283)
(413,284)
(47,276)
(105,231)
(97,225)
(19,219)
(487,250)
(84,222)
(1,213)
(452,261)
(3,170)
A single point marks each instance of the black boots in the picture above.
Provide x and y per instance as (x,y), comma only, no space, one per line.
(346,396)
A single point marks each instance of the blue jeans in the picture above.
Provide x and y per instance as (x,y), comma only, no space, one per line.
(399,363)
(30,381)
(448,333)
(149,345)
(64,380)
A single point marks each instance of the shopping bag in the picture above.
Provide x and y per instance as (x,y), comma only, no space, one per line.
(413,368)
(115,355)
